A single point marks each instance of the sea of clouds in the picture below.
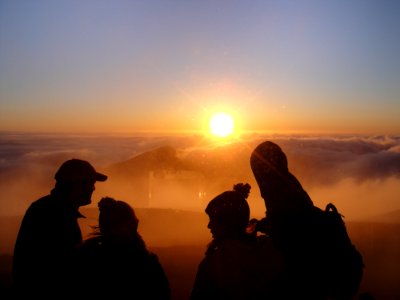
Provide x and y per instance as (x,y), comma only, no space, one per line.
(360,174)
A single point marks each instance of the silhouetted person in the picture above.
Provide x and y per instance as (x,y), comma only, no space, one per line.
(49,231)
(366,296)
(236,264)
(115,262)
(304,233)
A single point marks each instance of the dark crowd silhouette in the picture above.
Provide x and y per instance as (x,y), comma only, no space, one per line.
(297,251)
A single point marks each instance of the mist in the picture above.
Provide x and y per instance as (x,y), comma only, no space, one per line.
(185,172)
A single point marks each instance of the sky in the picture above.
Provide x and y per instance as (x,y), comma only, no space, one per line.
(168,65)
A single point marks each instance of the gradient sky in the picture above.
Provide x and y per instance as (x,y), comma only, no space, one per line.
(166,65)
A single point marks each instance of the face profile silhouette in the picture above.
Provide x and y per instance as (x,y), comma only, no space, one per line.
(229,212)
(77,178)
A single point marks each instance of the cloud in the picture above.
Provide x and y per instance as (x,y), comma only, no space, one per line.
(321,160)
(321,163)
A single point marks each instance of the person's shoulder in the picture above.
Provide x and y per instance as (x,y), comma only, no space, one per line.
(153,263)
(214,249)
(244,243)
(40,206)
(229,248)
(41,202)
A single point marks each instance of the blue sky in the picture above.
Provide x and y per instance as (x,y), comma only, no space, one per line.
(126,66)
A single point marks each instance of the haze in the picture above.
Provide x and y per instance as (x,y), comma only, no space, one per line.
(358,173)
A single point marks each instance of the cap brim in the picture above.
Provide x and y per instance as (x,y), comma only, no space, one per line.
(100,177)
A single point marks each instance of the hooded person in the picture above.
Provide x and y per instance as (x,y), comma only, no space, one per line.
(321,261)
(284,197)
(236,265)
(49,231)
(280,189)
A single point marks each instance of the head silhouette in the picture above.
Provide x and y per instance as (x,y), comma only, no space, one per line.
(117,219)
(78,170)
(75,180)
(269,165)
(268,156)
(229,212)
(279,188)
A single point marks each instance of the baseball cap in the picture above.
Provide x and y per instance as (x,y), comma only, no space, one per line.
(77,169)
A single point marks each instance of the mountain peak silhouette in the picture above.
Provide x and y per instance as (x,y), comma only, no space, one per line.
(161,158)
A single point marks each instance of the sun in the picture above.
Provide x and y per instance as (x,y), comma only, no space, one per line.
(221,124)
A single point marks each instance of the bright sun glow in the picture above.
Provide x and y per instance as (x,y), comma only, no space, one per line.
(221,124)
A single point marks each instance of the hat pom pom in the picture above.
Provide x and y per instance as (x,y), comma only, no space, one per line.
(243,189)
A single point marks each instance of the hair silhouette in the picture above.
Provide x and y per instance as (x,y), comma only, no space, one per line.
(116,260)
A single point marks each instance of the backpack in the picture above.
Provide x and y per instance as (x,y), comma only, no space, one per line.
(343,262)
(321,249)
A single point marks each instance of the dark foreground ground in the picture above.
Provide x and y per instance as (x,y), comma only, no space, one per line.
(180,239)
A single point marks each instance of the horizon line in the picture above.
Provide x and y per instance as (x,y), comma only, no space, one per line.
(197,133)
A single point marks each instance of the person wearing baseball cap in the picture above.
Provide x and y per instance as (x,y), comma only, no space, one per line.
(49,231)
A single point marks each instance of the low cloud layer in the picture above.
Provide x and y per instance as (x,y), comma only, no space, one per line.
(352,170)
(330,160)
